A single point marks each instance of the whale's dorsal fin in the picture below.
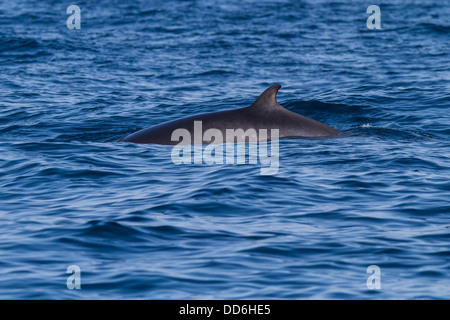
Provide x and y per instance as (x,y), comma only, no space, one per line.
(268,99)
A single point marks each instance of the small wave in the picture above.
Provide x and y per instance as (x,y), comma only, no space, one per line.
(437,28)
(395,134)
(17,44)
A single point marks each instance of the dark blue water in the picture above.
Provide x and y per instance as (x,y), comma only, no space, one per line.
(139,226)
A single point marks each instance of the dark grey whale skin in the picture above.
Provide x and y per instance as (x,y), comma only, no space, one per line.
(264,113)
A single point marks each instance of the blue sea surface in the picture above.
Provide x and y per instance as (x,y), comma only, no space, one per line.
(141,227)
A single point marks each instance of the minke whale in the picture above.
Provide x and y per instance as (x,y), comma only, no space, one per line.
(265,115)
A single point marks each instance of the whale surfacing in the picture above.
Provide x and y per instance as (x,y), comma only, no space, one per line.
(264,114)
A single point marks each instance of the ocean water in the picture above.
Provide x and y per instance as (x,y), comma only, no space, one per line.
(140,227)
